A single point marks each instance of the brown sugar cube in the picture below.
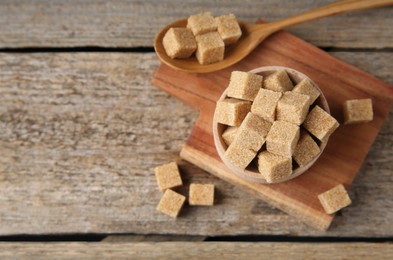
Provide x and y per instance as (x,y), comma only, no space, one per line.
(320,123)
(305,87)
(306,149)
(278,81)
(334,199)
(239,156)
(358,111)
(274,167)
(201,23)
(201,194)
(171,203)
(244,85)
(229,134)
(179,43)
(228,28)
(232,111)
(168,176)
(282,138)
(210,48)
(265,104)
(293,107)
(252,132)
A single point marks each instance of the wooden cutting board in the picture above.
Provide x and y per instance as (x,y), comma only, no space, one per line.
(346,149)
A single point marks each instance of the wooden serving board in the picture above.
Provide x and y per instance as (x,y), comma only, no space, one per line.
(345,151)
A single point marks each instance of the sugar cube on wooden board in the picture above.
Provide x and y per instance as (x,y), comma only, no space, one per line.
(274,167)
(171,203)
(320,123)
(305,87)
(334,199)
(179,43)
(201,23)
(168,176)
(244,85)
(232,111)
(201,194)
(228,28)
(278,81)
(210,48)
(282,138)
(358,111)
(306,149)
(293,107)
(265,104)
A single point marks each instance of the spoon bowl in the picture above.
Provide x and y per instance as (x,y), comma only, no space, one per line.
(254,34)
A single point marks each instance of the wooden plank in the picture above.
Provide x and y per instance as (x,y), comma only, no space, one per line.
(80,134)
(345,151)
(122,23)
(151,238)
(196,250)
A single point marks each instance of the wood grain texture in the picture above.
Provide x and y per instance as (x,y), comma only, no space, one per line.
(196,250)
(345,151)
(123,23)
(80,134)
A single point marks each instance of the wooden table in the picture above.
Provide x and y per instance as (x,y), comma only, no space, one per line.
(82,128)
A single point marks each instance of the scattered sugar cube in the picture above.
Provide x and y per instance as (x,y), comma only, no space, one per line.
(265,104)
(358,111)
(305,87)
(229,134)
(306,149)
(334,199)
(252,132)
(168,176)
(210,48)
(274,167)
(232,111)
(228,28)
(179,43)
(320,123)
(201,23)
(282,138)
(171,203)
(239,156)
(201,194)
(293,107)
(278,81)
(244,85)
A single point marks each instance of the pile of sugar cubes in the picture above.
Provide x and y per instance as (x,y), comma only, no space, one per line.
(204,34)
(171,203)
(274,112)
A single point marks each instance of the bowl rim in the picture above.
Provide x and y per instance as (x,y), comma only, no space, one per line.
(255,176)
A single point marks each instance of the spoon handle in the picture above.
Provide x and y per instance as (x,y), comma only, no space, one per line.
(328,10)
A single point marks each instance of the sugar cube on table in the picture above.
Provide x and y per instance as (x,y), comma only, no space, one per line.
(282,138)
(252,132)
(274,167)
(229,134)
(232,111)
(334,199)
(306,149)
(228,28)
(278,81)
(320,123)
(358,111)
(305,87)
(265,104)
(244,85)
(201,194)
(168,176)
(210,48)
(179,43)
(293,107)
(201,23)
(171,203)
(240,156)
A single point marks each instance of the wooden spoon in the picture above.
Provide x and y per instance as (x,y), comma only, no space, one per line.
(254,34)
